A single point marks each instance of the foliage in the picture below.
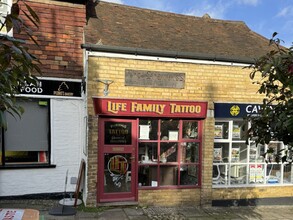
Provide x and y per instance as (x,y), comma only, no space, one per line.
(275,122)
(17,64)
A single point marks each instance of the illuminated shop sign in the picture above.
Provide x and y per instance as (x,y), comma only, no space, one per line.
(233,110)
(149,108)
(52,87)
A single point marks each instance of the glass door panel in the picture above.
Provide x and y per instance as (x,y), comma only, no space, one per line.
(117,173)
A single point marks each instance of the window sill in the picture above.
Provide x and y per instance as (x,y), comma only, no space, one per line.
(27,166)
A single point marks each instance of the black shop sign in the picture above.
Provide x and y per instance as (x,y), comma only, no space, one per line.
(53,88)
(118,133)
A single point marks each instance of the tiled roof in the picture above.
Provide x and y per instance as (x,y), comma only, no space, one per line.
(125,26)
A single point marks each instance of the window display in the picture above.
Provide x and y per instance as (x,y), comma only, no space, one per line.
(239,163)
(169,153)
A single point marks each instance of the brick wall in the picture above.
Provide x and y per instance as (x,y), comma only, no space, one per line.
(59,36)
(169,197)
(212,83)
(252,192)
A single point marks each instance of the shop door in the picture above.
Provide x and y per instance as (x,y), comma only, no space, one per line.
(116,160)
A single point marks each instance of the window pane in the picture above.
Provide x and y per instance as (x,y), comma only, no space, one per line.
(275,147)
(26,156)
(188,175)
(239,129)
(189,152)
(220,174)
(190,130)
(273,175)
(27,138)
(288,173)
(30,132)
(238,174)
(256,153)
(147,176)
(221,130)
(148,128)
(117,173)
(168,152)
(221,152)
(169,127)
(148,152)
(168,175)
(239,153)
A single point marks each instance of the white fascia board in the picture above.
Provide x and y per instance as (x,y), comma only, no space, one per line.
(163,59)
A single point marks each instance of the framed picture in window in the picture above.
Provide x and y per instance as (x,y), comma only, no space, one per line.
(218,131)
(235,154)
(173,135)
(191,171)
(218,154)
(236,132)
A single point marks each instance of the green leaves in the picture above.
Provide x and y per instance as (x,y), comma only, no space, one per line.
(17,64)
(274,72)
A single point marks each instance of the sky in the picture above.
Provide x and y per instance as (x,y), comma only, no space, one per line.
(262,16)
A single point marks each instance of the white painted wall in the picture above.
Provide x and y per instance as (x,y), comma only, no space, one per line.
(67,147)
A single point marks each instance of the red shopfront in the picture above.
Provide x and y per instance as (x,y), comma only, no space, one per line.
(147,144)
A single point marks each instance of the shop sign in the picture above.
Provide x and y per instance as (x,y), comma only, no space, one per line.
(118,133)
(52,88)
(233,110)
(154,79)
(149,108)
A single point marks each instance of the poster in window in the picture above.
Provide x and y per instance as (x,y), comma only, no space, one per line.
(218,154)
(173,135)
(144,131)
(236,132)
(218,131)
(256,174)
(235,154)
(117,133)
(192,171)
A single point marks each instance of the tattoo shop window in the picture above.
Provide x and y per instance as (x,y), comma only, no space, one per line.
(26,140)
(169,152)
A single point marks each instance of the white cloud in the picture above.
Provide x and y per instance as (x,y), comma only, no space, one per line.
(286,12)
(215,10)
(156,5)
(115,1)
(249,2)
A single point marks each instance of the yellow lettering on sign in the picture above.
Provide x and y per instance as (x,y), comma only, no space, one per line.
(185,108)
(156,108)
(115,107)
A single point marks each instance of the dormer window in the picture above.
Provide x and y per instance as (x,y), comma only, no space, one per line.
(5,6)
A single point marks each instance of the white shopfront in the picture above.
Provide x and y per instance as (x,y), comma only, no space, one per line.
(48,141)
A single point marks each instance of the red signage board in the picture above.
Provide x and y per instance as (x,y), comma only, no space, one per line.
(149,108)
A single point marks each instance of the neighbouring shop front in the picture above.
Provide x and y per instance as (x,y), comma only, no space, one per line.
(147,145)
(241,167)
(46,141)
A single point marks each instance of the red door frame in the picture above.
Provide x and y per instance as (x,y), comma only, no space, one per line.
(102,148)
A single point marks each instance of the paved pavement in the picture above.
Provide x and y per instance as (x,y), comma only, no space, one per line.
(156,213)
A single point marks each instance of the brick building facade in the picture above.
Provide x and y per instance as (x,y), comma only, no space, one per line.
(130,52)
(38,151)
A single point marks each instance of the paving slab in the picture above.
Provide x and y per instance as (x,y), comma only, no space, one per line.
(113,214)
